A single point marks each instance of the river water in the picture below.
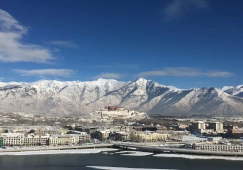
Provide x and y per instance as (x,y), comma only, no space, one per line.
(116,161)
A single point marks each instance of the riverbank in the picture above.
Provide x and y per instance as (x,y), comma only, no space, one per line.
(157,149)
(46,148)
(56,152)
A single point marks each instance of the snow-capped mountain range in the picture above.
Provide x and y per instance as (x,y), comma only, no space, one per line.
(56,98)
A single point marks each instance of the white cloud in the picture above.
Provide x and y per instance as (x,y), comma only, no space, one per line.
(109,76)
(11,47)
(185,72)
(179,7)
(45,72)
(66,44)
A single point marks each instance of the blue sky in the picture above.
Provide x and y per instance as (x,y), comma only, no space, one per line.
(184,43)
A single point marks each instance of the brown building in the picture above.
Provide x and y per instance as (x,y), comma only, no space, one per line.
(113,108)
(236,133)
(138,128)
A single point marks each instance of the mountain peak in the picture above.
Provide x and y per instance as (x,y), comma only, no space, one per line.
(141,80)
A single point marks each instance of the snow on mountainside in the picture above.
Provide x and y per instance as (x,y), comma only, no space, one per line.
(235,91)
(204,101)
(51,97)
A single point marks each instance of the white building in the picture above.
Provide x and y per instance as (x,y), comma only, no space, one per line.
(67,139)
(198,125)
(216,126)
(32,140)
(12,139)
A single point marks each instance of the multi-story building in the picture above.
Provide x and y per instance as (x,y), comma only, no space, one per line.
(149,136)
(83,136)
(89,130)
(216,126)
(212,147)
(12,139)
(198,125)
(101,135)
(48,130)
(65,139)
(236,132)
(119,136)
(32,140)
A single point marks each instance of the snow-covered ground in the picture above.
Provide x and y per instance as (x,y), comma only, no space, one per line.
(51,152)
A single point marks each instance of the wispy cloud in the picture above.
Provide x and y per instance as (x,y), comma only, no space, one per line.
(180,7)
(1,78)
(109,76)
(219,74)
(11,47)
(46,72)
(66,44)
(118,65)
(185,72)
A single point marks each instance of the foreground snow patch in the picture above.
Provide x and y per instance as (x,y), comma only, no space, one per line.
(126,152)
(135,153)
(199,157)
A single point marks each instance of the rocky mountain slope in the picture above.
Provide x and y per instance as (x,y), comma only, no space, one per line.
(235,91)
(58,98)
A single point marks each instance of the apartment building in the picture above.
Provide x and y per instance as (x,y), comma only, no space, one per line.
(32,140)
(149,136)
(13,139)
(212,147)
(216,126)
(65,139)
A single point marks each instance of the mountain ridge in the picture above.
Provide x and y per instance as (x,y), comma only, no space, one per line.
(52,97)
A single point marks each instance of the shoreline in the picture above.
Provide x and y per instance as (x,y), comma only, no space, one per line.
(24,149)
(158,150)
(111,151)
(114,147)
